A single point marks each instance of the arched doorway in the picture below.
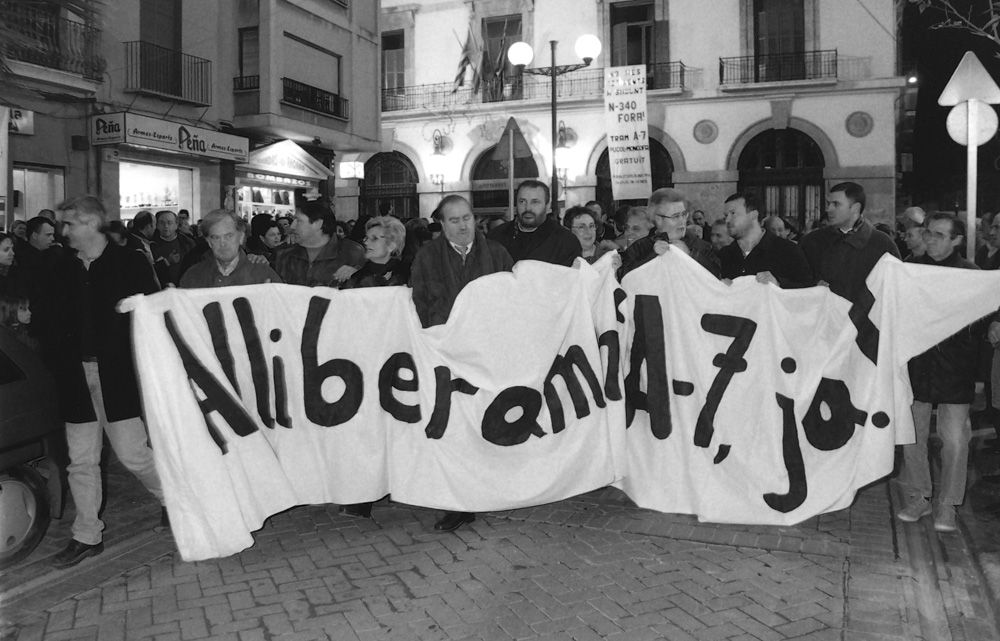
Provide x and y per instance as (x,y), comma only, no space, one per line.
(784,167)
(661,175)
(490,178)
(390,179)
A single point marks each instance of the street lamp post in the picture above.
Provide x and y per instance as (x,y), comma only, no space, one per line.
(520,54)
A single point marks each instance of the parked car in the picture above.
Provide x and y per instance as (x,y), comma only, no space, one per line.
(28,416)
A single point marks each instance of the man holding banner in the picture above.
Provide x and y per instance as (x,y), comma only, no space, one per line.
(843,253)
(533,235)
(442,269)
(944,375)
(758,252)
(669,210)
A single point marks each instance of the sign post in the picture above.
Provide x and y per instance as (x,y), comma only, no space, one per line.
(512,145)
(971,122)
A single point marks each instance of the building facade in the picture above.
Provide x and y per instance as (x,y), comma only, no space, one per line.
(783,97)
(184,104)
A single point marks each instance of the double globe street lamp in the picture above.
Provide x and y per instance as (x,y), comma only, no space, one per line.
(520,55)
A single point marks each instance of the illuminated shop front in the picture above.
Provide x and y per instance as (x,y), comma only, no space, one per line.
(154,187)
(276,179)
(154,164)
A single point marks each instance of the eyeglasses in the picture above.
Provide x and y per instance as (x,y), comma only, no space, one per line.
(590,227)
(674,217)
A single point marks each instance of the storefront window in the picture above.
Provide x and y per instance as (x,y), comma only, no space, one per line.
(35,189)
(154,187)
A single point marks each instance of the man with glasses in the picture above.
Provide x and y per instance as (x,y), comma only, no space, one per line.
(227,264)
(533,235)
(944,376)
(669,210)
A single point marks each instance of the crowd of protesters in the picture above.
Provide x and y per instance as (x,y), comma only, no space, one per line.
(63,273)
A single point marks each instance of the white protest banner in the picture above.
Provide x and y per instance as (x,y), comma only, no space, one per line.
(627,131)
(752,404)
(737,404)
(261,398)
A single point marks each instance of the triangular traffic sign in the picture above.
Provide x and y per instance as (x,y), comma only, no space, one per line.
(970,80)
(521,148)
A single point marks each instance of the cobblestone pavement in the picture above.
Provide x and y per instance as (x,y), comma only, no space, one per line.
(592,567)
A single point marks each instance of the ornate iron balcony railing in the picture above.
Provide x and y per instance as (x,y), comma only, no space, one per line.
(49,41)
(802,65)
(156,70)
(585,83)
(308,97)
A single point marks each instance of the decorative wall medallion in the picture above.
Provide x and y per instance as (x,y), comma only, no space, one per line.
(860,124)
(705,131)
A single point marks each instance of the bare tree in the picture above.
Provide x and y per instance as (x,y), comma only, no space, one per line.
(978,17)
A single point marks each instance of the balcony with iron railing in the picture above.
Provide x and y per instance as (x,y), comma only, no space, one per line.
(783,67)
(304,96)
(154,70)
(246,83)
(38,37)
(585,83)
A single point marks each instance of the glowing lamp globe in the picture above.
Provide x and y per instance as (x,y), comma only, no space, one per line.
(587,47)
(520,54)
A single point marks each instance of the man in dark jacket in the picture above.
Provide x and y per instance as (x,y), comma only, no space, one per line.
(843,253)
(318,258)
(758,252)
(169,248)
(442,268)
(669,210)
(91,354)
(944,375)
(533,235)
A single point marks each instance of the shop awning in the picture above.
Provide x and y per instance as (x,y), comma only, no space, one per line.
(286,158)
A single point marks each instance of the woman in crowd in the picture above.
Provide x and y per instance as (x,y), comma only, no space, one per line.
(385,237)
(265,236)
(15,315)
(584,225)
(6,263)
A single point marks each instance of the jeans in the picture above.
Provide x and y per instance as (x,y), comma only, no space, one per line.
(128,439)
(955,431)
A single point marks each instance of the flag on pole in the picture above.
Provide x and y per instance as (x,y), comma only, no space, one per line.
(472,55)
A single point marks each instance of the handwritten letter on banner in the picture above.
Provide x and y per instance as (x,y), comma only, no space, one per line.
(627,127)
(737,404)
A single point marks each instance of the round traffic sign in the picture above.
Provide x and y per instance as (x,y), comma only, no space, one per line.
(984,122)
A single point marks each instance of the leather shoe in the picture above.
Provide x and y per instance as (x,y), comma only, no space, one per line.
(358,510)
(74,553)
(451,521)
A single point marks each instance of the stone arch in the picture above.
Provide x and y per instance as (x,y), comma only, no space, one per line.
(826,145)
(401,194)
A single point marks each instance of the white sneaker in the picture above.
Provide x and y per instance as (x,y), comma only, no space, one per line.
(944,520)
(917,508)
